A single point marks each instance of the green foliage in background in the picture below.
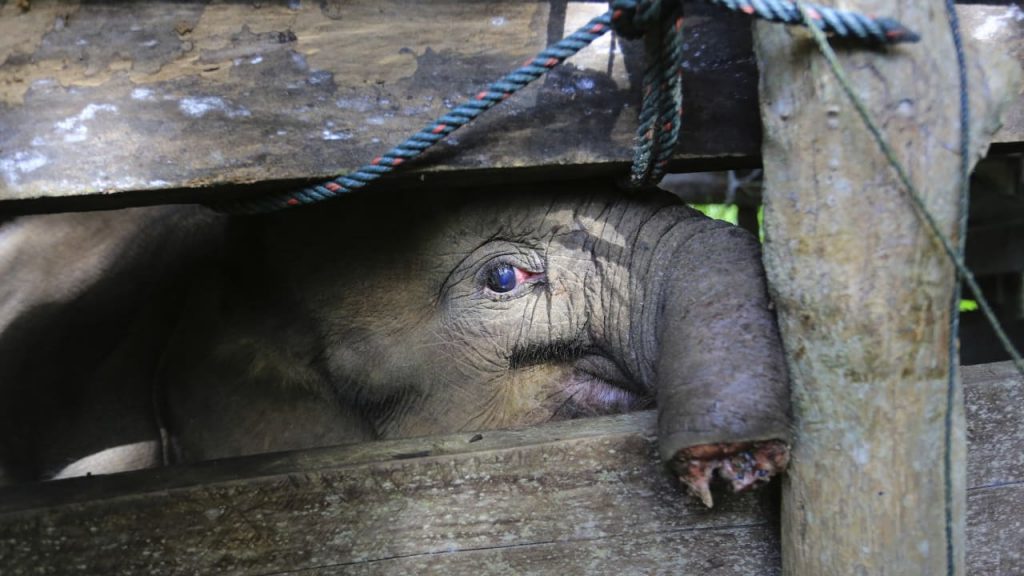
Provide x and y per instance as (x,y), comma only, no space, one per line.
(730,213)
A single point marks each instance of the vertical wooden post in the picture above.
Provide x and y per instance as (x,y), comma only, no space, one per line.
(864,293)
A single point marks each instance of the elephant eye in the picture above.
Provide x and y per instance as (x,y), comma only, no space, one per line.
(502,278)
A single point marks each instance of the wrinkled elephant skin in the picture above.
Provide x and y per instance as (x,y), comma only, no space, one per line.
(390,314)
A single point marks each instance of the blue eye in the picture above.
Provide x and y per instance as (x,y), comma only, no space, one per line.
(502,278)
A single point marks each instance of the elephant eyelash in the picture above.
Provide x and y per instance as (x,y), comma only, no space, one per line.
(552,352)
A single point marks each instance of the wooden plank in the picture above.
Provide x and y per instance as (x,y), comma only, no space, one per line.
(578,497)
(110,104)
(578,487)
(108,97)
(993,394)
(994,523)
(844,250)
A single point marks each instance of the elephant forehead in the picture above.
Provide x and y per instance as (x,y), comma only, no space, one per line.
(535,216)
(606,230)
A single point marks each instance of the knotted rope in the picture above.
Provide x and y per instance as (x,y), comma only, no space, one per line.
(660,23)
(661,110)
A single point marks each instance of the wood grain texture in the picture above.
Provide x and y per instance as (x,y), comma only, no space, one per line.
(864,292)
(578,497)
(107,97)
(506,500)
(109,104)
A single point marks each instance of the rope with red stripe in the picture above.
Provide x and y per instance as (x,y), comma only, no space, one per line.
(661,110)
(464,113)
(661,25)
(841,23)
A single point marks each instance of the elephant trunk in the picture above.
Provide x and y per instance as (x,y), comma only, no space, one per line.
(718,367)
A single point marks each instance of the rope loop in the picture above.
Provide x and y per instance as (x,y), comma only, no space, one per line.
(660,23)
(633,18)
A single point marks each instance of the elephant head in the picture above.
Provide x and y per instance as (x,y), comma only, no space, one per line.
(482,309)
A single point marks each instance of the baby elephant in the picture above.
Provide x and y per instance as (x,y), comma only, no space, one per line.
(389,314)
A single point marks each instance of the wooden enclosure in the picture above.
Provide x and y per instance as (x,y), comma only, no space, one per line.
(106,104)
(579,497)
(111,104)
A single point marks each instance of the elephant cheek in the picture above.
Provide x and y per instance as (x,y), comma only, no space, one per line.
(532,395)
(509,399)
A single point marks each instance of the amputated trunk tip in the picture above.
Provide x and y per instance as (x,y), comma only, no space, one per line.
(742,465)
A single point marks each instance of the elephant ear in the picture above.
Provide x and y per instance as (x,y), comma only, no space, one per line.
(241,375)
(87,300)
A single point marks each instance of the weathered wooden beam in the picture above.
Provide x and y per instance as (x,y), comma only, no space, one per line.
(995,460)
(109,104)
(864,291)
(586,496)
(170,99)
(591,492)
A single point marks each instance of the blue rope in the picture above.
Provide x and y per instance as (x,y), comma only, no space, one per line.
(661,108)
(841,23)
(435,131)
(660,117)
